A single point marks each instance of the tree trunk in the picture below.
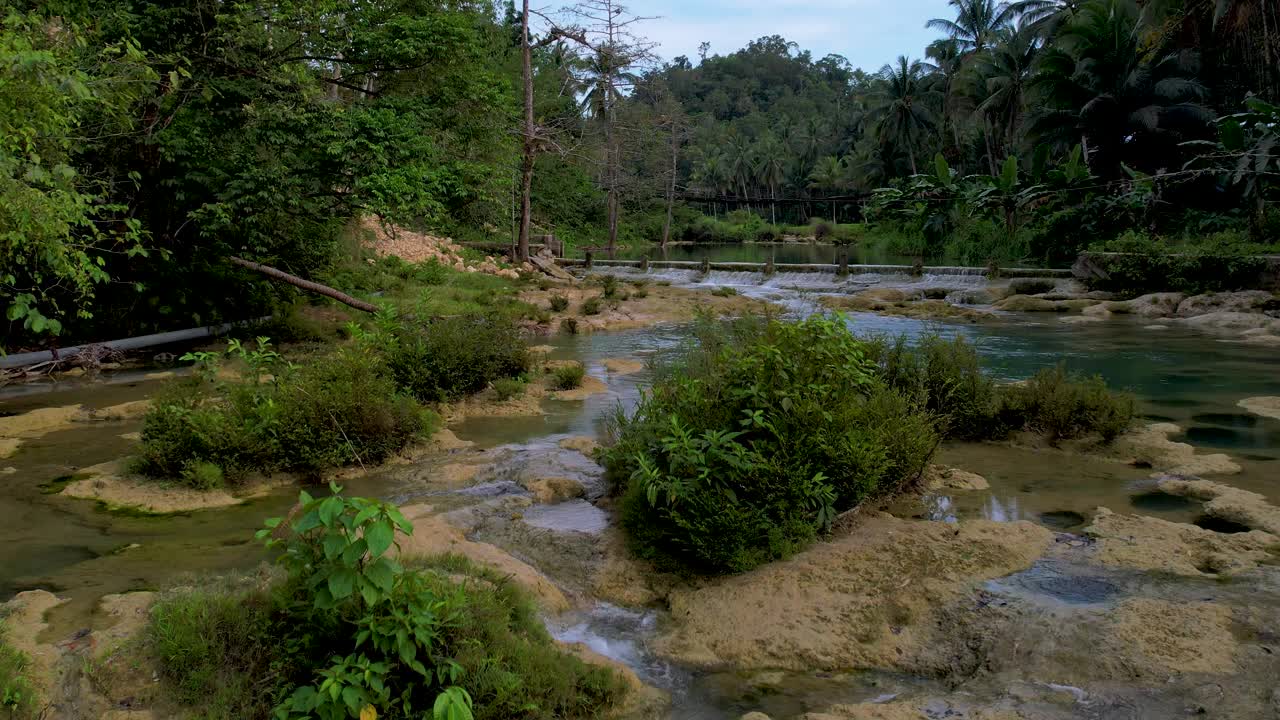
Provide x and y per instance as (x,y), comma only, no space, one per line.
(911,153)
(298,282)
(527,140)
(773,206)
(671,186)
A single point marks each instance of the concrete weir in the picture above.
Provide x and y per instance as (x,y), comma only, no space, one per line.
(769,268)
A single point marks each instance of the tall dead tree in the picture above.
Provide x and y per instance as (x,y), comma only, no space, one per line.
(615,51)
(532,138)
(673,118)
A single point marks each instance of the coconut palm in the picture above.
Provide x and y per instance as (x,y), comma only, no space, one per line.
(829,174)
(712,174)
(905,106)
(771,169)
(977,23)
(1123,107)
(740,161)
(1001,78)
(1046,17)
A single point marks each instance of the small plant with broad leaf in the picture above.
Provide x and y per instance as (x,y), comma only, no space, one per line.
(342,576)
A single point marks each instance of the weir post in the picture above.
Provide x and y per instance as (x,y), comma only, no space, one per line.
(706,266)
(644,264)
(844,263)
(769,268)
(587,264)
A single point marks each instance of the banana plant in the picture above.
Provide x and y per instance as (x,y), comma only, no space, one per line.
(1250,142)
(1006,194)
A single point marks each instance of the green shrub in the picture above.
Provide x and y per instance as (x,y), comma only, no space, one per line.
(568,376)
(1063,406)
(335,410)
(823,231)
(218,650)
(444,359)
(569,326)
(17,695)
(591,306)
(946,377)
(507,388)
(201,475)
(640,293)
(609,285)
(350,633)
(344,409)
(768,234)
(559,303)
(751,441)
(725,291)
(1212,263)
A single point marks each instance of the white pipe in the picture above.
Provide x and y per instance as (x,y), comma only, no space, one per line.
(134,343)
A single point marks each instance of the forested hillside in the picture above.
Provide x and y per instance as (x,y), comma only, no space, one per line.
(146,144)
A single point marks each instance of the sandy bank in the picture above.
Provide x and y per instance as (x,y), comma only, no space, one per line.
(1148,543)
(661,304)
(867,599)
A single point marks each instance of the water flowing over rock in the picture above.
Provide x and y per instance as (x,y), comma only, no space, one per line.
(434,535)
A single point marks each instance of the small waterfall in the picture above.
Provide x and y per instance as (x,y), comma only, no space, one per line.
(732,278)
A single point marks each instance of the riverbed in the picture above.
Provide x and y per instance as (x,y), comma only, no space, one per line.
(1179,375)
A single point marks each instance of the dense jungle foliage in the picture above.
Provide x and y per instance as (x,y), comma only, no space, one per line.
(754,438)
(352,631)
(1030,129)
(144,144)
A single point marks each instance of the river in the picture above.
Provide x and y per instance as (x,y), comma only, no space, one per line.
(1178,375)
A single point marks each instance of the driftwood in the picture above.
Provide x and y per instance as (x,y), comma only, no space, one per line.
(550,267)
(296,281)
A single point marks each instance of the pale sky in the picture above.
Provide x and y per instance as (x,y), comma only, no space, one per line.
(869,33)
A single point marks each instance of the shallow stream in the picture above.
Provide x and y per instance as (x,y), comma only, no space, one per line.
(1178,375)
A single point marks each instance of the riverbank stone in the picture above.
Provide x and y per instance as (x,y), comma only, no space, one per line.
(1245,301)
(1147,543)
(1266,406)
(1227,503)
(867,599)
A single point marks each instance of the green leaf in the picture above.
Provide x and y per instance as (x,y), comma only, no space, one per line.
(342,583)
(379,536)
(381,574)
(329,510)
(1231,135)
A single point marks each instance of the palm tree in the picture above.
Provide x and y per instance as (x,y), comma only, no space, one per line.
(1001,79)
(1100,89)
(905,106)
(771,168)
(740,161)
(976,25)
(947,61)
(830,174)
(712,174)
(1046,17)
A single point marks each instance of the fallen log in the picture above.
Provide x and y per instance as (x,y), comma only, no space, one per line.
(550,268)
(296,281)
